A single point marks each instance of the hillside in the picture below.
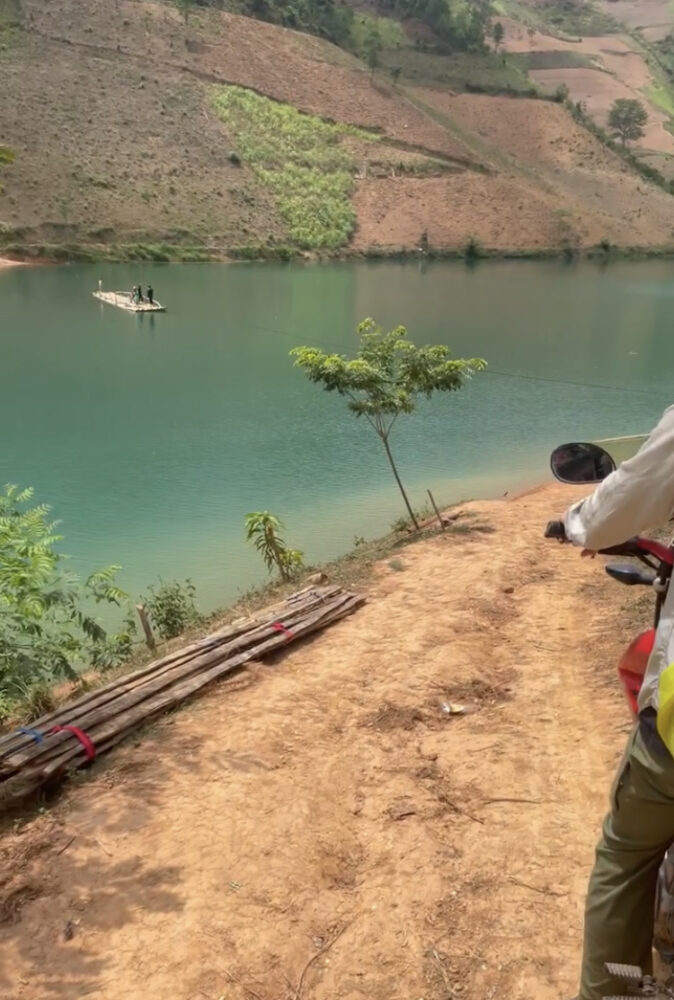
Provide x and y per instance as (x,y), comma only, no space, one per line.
(127,137)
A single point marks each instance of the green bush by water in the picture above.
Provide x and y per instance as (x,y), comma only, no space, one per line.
(171,606)
(46,629)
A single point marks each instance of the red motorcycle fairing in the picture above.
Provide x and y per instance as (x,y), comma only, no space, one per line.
(632,666)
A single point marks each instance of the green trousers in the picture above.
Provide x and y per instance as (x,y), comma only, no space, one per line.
(621,897)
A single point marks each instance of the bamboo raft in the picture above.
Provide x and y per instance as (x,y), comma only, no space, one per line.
(93,724)
(123,300)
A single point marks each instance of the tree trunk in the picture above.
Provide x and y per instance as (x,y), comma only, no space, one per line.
(400,485)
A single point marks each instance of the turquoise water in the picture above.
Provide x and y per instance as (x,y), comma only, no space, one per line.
(153,436)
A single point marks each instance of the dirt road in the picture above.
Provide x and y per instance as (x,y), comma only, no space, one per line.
(322,830)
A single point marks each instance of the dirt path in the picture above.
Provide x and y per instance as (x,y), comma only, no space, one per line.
(327,804)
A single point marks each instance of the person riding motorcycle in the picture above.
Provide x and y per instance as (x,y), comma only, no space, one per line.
(639,828)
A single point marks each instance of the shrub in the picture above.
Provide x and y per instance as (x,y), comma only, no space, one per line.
(171,607)
(46,628)
(262,529)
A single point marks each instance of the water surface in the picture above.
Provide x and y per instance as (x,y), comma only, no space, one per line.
(153,436)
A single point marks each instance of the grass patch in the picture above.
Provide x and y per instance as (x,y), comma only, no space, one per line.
(299,158)
(573,17)
(390,32)
(661,96)
(561,18)
(10,25)
(556,60)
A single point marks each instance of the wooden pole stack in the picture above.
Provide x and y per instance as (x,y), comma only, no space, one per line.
(96,722)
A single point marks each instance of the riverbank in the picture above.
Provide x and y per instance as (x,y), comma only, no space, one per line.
(349,571)
(6,262)
(174,253)
(333,784)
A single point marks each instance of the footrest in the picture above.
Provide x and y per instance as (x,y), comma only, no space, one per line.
(630,975)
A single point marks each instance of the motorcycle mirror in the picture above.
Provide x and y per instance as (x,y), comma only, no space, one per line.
(581,463)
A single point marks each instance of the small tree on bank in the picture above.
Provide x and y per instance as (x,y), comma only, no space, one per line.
(385,379)
(262,529)
(627,119)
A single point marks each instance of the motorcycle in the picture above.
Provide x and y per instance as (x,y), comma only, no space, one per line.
(588,463)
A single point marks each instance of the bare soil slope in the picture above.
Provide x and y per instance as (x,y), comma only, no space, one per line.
(115,138)
(591,194)
(552,183)
(107,108)
(323,828)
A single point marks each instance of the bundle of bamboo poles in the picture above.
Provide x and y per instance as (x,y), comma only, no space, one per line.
(43,752)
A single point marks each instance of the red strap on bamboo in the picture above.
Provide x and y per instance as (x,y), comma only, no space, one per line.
(278,627)
(79,734)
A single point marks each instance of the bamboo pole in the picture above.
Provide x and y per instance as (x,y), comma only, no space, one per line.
(152,691)
(134,693)
(435,508)
(147,628)
(72,711)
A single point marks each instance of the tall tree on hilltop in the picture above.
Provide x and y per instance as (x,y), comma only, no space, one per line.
(497,34)
(627,119)
(372,47)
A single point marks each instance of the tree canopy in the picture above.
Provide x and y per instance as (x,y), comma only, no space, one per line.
(329,19)
(627,119)
(386,378)
(497,34)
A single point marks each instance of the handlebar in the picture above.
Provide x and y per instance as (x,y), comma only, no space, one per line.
(639,548)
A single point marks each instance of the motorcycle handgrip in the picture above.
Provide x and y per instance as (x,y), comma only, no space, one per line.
(555,529)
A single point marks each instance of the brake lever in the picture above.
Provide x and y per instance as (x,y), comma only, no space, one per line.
(556,530)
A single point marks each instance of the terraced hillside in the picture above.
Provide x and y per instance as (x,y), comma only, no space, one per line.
(119,118)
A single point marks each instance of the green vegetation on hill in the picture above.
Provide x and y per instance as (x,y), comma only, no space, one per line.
(10,19)
(661,62)
(329,19)
(456,24)
(300,159)
(388,31)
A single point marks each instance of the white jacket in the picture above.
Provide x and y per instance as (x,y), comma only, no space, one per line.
(639,495)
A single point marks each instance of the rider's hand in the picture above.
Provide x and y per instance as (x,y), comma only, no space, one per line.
(588,554)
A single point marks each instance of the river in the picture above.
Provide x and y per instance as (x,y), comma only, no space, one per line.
(153,436)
